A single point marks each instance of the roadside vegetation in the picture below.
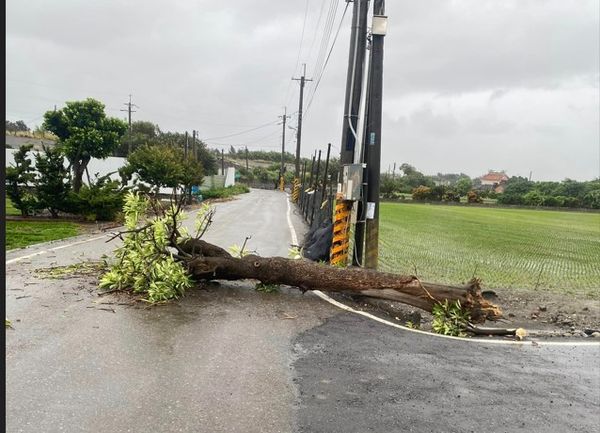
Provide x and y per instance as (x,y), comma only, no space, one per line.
(228,192)
(506,248)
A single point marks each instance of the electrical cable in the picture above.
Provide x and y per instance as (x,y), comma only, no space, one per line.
(241,132)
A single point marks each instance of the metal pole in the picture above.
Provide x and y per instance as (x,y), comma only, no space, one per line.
(374,140)
(316,188)
(303,184)
(312,168)
(325,175)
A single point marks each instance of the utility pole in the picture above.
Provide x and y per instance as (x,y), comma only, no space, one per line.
(373,130)
(223,162)
(185,147)
(194,156)
(302,80)
(281,170)
(354,87)
(354,79)
(246,159)
(129,111)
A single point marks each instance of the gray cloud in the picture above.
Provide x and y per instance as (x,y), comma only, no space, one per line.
(469,85)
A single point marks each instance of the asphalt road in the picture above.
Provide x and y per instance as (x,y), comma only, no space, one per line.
(229,359)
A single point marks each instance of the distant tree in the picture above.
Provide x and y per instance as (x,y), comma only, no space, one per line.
(141,133)
(206,157)
(463,185)
(19,179)
(407,169)
(84,132)
(21,126)
(53,183)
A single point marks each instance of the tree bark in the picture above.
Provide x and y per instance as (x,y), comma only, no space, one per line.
(212,262)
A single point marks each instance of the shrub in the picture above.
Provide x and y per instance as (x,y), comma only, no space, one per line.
(19,178)
(421,193)
(474,197)
(533,198)
(100,201)
(230,191)
(52,184)
(451,196)
(554,201)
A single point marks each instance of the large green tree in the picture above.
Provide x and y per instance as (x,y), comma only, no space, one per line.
(84,132)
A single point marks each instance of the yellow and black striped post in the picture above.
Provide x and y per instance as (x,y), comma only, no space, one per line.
(296,190)
(341,232)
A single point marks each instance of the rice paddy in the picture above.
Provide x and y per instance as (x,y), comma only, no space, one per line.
(506,248)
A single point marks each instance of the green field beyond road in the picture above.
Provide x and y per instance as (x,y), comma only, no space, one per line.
(506,248)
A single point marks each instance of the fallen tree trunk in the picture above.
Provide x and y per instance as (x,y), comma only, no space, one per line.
(208,261)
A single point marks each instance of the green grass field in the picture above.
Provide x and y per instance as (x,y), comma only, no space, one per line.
(506,248)
(23,233)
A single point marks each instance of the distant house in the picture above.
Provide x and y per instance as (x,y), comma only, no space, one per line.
(494,180)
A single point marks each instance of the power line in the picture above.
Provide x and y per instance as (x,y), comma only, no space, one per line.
(299,52)
(316,86)
(242,132)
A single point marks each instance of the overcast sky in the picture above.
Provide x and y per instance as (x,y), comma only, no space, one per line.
(468,85)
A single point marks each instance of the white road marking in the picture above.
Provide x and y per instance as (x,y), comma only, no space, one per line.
(395,325)
(18,259)
(289,221)
(470,340)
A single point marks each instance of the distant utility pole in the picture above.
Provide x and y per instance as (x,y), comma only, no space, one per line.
(223,162)
(284,117)
(185,147)
(302,80)
(129,111)
(246,159)
(373,130)
(194,144)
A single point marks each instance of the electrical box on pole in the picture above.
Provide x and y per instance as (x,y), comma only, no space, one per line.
(351,186)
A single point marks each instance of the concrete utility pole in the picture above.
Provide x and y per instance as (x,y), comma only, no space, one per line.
(185,147)
(378,29)
(354,87)
(129,111)
(223,162)
(194,156)
(284,117)
(354,79)
(302,80)
(246,158)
